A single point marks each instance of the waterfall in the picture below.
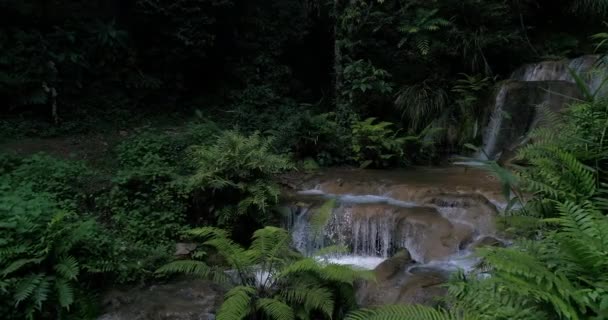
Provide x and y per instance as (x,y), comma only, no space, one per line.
(494,126)
(378,229)
(546,83)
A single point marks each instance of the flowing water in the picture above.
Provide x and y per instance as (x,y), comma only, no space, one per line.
(436,214)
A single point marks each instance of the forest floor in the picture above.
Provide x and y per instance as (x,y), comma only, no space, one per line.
(93,148)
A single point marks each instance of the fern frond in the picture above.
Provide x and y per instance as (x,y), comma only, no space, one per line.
(41,293)
(401,312)
(65,293)
(344,274)
(237,304)
(192,267)
(26,286)
(312,298)
(68,268)
(18,264)
(269,244)
(275,309)
(300,266)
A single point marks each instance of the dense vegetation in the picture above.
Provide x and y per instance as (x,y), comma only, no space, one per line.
(217,97)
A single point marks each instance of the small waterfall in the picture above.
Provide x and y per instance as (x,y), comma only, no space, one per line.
(493,130)
(546,83)
(378,229)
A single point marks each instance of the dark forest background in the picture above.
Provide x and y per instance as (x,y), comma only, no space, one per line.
(159,116)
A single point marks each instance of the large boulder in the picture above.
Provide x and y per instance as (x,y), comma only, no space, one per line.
(422,288)
(395,285)
(389,268)
(181,300)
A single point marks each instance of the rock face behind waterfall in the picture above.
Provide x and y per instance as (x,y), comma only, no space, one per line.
(549,83)
(515,111)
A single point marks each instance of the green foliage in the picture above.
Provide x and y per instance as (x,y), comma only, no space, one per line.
(593,7)
(270,278)
(45,256)
(378,145)
(235,173)
(317,136)
(421,103)
(362,78)
(560,276)
(418,29)
(414,312)
(65,179)
(468,111)
(169,146)
(561,273)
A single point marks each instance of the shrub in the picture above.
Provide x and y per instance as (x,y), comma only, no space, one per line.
(235,176)
(377,144)
(169,146)
(67,180)
(44,255)
(316,136)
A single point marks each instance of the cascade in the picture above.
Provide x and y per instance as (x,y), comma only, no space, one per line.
(547,83)
(412,227)
(375,217)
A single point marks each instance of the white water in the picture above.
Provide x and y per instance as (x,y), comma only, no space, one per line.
(493,130)
(371,237)
(464,260)
(359,199)
(363,262)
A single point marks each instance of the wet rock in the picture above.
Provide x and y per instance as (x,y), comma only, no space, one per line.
(182,300)
(184,249)
(391,267)
(515,111)
(455,200)
(395,285)
(486,241)
(385,287)
(422,288)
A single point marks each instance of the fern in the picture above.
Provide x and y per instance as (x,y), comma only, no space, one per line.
(310,297)
(240,167)
(237,304)
(272,279)
(65,293)
(26,287)
(193,267)
(68,268)
(275,309)
(414,312)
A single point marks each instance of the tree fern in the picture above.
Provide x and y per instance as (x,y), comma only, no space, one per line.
(275,309)
(273,280)
(237,304)
(311,297)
